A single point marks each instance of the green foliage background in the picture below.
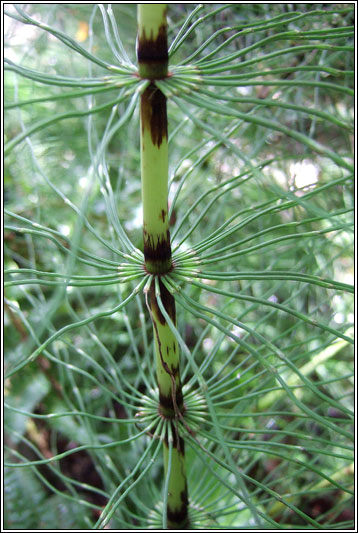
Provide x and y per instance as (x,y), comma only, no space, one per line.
(260,109)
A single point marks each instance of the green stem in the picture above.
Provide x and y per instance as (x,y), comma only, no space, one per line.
(154,170)
(152,54)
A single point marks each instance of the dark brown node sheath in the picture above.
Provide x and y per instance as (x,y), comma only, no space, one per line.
(152,54)
(157,253)
(178,518)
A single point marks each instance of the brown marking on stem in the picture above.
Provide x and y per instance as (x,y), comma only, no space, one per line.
(167,407)
(153,112)
(170,406)
(152,54)
(162,215)
(174,370)
(167,300)
(150,49)
(157,255)
(178,518)
(173,218)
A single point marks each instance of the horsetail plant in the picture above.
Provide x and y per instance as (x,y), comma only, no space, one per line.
(178,235)
(152,53)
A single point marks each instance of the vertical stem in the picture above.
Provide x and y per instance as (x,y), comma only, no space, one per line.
(152,54)
(154,169)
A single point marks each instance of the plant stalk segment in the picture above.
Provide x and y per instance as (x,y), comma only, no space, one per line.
(152,54)
(177,508)
(154,169)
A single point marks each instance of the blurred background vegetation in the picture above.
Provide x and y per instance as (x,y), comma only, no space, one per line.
(72,394)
